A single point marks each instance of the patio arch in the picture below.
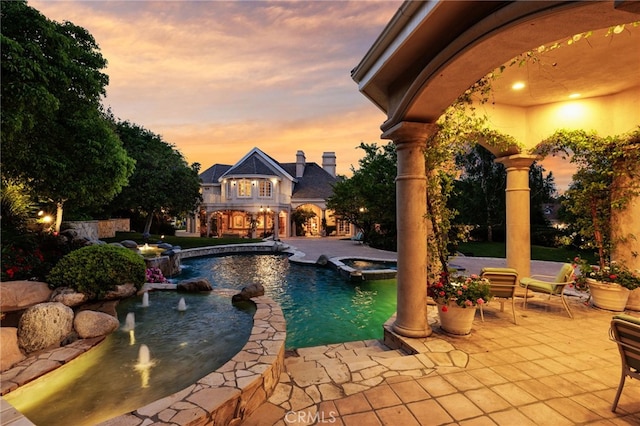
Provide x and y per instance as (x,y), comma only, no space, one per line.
(429,54)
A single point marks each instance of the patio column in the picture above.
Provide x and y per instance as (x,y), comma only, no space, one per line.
(518,212)
(411,209)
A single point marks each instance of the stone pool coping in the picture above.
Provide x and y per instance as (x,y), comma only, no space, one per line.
(225,396)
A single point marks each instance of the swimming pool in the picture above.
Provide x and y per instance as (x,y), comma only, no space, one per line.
(320,306)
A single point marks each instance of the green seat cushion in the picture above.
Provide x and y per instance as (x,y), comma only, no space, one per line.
(565,274)
(628,318)
(537,285)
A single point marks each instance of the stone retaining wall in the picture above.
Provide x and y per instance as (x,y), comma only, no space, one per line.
(266,247)
(96,229)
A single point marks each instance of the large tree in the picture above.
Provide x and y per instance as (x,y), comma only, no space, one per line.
(367,199)
(162,182)
(480,190)
(55,137)
(480,197)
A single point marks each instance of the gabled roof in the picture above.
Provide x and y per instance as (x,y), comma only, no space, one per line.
(257,162)
(316,183)
(213,173)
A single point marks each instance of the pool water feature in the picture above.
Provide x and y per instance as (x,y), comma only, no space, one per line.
(160,351)
(369,265)
(319,305)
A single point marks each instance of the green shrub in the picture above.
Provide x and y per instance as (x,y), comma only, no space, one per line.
(97,269)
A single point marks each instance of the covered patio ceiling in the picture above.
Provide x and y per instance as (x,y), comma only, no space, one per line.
(431,52)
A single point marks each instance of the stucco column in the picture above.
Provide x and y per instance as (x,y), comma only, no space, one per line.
(518,206)
(411,209)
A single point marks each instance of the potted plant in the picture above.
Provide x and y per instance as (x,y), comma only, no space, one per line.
(609,285)
(457,298)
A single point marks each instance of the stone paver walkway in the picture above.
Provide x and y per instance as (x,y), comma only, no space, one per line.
(547,370)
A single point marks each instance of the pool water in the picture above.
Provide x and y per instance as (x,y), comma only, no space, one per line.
(105,382)
(320,306)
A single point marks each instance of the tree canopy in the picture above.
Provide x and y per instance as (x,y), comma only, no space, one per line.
(367,199)
(55,137)
(162,180)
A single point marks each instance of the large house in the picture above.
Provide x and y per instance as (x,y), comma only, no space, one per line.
(258,196)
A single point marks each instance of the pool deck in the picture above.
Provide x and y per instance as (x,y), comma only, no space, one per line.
(547,370)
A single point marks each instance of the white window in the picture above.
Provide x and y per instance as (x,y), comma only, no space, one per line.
(265,189)
(244,188)
(343,227)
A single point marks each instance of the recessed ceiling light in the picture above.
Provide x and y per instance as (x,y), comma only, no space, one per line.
(518,86)
(574,95)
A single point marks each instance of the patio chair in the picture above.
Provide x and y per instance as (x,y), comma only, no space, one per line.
(553,286)
(625,331)
(358,238)
(504,282)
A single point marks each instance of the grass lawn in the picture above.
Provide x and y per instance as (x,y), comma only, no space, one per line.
(482,249)
(184,242)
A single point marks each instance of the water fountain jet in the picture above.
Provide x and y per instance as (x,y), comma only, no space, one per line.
(144,365)
(182,306)
(145,299)
(129,322)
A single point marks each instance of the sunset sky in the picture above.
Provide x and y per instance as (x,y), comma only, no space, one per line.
(217,78)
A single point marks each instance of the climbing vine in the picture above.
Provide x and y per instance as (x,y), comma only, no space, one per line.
(461,125)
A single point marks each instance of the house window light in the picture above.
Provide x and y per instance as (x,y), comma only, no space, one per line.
(244,188)
(265,189)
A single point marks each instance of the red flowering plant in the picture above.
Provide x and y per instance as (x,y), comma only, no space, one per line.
(612,272)
(464,291)
(154,275)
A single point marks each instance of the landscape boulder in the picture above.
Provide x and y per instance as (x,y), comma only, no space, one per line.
(121,292)
(90,324)
(68,296)
(10,353)
(323,260)
(17,295)
(130,244)
(44,325)
(253,290)
(195,285)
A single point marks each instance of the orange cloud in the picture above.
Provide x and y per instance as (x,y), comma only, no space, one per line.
(218,78)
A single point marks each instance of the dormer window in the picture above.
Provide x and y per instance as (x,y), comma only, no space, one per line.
(265,189)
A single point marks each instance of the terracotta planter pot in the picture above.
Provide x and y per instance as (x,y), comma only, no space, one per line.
(633,302)
(609,296)
(456,320)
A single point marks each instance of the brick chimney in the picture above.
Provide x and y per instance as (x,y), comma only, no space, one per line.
(329,162)
(300,163)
